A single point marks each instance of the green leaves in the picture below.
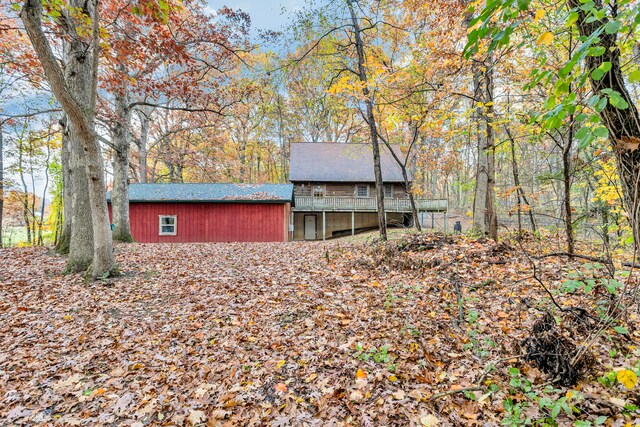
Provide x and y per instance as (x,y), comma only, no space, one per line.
(612,27)
(634,77)
(616,99)
(602,69)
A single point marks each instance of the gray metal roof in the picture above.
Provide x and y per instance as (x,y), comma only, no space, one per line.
(229,193)
(337,162)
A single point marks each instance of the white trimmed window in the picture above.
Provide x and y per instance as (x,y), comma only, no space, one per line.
(168,225)
(362,191)
(388,191)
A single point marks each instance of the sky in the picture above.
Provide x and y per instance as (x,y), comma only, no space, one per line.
(265,14)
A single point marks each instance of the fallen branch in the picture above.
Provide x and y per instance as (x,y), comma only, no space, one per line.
(460,390)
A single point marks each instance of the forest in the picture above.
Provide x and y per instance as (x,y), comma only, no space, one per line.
(521,114)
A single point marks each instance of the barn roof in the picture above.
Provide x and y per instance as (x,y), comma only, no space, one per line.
(221,193)
(337,162)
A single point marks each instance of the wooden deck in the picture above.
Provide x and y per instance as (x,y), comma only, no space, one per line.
(365,204)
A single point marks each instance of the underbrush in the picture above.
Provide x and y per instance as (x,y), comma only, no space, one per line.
(552,339)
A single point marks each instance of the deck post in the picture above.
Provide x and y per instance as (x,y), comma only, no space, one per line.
(445,222)
(324,224)
(353,223)
(292,224)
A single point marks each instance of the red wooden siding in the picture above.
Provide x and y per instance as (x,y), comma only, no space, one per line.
(212,222)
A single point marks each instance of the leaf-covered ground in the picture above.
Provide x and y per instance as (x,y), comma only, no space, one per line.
(331,333)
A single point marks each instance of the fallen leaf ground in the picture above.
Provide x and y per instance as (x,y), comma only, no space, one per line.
(335,333)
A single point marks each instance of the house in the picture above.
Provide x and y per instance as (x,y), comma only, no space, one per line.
(335,194)
(209,212)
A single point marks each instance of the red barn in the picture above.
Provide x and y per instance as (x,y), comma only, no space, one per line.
(209,212)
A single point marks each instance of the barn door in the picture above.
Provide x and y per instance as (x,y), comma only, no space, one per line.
(309,227)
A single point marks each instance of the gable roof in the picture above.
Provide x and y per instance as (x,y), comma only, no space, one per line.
(221,193)
(337,162)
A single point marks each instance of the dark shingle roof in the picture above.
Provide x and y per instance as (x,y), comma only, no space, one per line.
(243,193)
(336,162)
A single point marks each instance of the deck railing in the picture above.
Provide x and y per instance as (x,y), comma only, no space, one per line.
(365,204)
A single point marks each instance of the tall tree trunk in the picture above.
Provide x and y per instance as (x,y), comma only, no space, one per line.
(62,245)
(485,219)
(407,183)
(144,114)
(371,121)
(44,192)
(522,197)
(25,190)
(482,183)
(79,209)
(120,192)
(491,218)
(76,91)
(623,124)
(566,178)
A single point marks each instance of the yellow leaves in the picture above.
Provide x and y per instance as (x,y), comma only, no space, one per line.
(393,378)
(280,364)
(429,421)
(360,374)
(627,378)
(545,38)
(539,15)
(607,183)
(196,417)
(398,395)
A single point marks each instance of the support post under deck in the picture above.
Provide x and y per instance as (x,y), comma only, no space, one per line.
(353,223)
(324,225)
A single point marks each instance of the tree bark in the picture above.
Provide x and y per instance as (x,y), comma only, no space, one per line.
(64,240)
(80,216)
(120,192)
(566,177)
(377,167)
(405,178)
(522,197)
(144,114)
(623,124)
(44,193)
(25,190)
(76,91)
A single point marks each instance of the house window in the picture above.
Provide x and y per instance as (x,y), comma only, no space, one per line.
(318,191)
(362,191)
(168,225)
(388,191)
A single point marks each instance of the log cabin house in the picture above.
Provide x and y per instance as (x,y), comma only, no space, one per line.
(335,194)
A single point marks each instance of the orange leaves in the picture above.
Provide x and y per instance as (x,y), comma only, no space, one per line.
(302,360)
(360,374)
